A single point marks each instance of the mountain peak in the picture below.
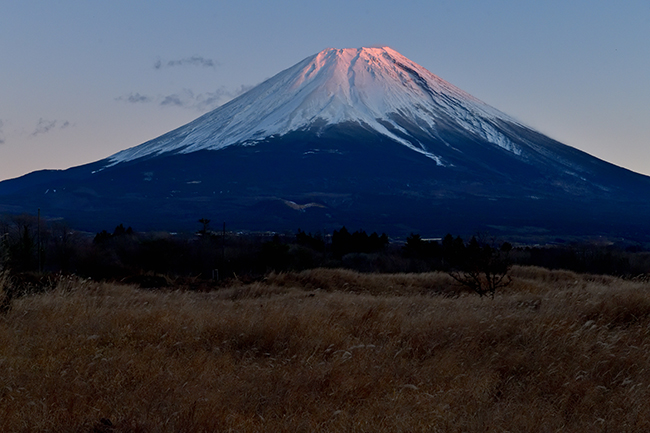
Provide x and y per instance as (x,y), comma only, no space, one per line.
(377,88)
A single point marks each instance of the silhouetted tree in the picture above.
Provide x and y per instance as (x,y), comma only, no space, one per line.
(102,237)
(418,248)
(483,268)
(453,250)
(19,244)
(121,231)
(275,254)
(204,225)
(314,242)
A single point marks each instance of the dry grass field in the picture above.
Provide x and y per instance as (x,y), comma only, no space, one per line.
(331,351)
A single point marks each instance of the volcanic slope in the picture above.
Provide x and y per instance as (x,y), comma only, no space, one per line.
(358,137)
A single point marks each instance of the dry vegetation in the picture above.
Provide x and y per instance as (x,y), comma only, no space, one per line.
(331,350)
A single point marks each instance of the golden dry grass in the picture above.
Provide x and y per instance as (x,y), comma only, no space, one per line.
(556,351)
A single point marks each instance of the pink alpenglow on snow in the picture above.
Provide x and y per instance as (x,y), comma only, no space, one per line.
(367,86)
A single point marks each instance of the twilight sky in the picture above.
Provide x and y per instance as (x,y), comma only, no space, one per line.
(83,79)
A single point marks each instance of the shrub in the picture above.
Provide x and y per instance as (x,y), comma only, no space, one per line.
(482,268)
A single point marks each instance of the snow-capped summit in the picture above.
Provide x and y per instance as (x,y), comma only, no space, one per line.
(377,88)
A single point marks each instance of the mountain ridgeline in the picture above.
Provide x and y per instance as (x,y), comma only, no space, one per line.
(358,137)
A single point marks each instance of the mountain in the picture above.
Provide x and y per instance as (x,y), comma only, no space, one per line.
(358,137)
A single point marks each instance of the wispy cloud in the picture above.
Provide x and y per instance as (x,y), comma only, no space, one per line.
(212,100)
(181,99)
(2,136)
(199,61)
(186,98)
(135,98)
(44,126)
(203,101)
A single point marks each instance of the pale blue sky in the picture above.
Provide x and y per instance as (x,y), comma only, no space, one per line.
(81,80)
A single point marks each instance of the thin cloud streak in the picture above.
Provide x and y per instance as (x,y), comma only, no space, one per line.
(199,61)
(186,98)
(44,126)
(135,98)
(176,99)
(203,101)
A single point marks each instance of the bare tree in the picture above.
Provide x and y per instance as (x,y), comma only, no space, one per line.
(483,268)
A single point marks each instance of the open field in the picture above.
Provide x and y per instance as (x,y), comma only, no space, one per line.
(331,350)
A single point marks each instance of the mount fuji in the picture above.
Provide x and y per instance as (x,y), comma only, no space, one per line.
(358,137)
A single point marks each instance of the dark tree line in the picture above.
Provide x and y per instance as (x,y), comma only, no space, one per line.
(205,255)
(123,252)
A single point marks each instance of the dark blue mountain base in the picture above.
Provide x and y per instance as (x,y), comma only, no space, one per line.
(346,175)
